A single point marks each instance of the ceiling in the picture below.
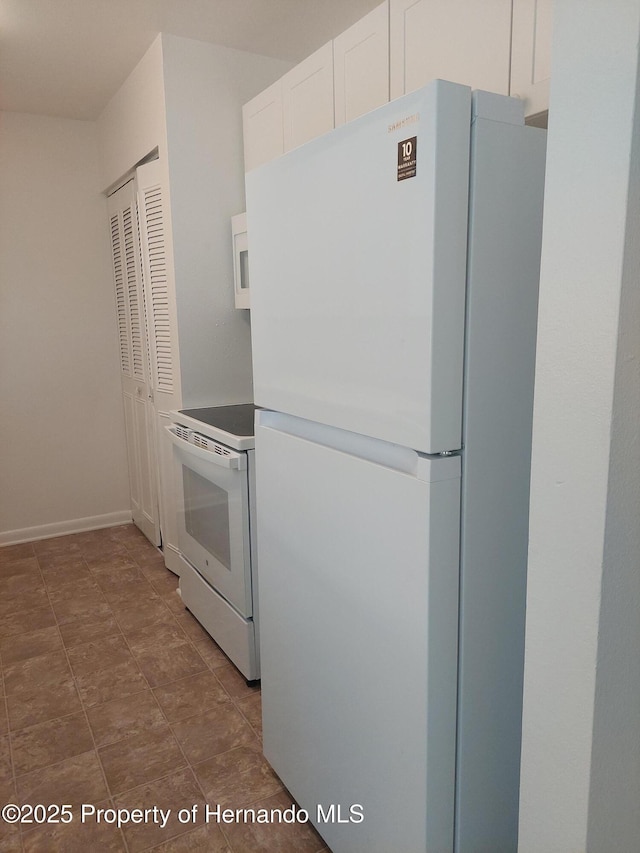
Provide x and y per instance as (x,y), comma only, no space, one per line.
(68,57)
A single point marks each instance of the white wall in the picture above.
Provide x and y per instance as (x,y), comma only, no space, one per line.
(62,449)
(580,779)
(205,87)
(185,98)
(133,122)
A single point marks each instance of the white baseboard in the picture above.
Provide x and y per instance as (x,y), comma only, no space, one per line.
(63,528)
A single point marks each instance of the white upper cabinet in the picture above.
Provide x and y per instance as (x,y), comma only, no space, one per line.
(307,98)
(531,59)
(501,46)
(465,41)
(263,127)
(361,66)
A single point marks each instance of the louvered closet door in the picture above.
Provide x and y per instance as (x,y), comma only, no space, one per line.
(160,308)
(157,269)
(136,391)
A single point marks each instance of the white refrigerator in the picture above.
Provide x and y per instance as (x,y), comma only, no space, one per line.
(394,272)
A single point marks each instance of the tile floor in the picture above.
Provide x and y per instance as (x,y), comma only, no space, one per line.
(113,695)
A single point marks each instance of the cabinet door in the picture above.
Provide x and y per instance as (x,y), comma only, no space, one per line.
(531,54)
(307,98)
(134,364)
(263,127)
(361,66)
(464,41)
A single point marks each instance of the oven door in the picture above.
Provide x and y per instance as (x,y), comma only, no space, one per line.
(213,514)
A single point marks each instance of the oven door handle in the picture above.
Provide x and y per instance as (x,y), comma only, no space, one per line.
(231,459)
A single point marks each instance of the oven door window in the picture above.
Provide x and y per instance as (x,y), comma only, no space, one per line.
(206,515)
(213,525)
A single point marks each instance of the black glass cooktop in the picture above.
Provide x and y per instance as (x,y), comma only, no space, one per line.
(235,420)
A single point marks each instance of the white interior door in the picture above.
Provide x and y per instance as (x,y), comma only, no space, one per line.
(134,364)
(358,567)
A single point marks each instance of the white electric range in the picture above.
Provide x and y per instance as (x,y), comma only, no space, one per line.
(215,476)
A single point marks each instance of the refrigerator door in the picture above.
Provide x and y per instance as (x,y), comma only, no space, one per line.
(358,254)
(358,555)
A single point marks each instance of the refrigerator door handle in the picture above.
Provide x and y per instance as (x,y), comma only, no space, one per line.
(403,459)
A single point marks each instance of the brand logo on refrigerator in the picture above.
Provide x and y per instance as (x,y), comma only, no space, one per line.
(403,122)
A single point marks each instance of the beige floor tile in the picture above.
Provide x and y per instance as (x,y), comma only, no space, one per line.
(7,795)
(24,566)
(74,780)
(234,682)
(251,707)
(192,628)
(101,559)
(112,682)
(10,839)
(127,533)
(51,564)
(68,579)
(125,630)
(141,545)
(174,792)
(6,771)
(237,778)
(163,665)
(43,671)
(114,579)
(83,587)
(218,729)
(49,743)
(40,704)
(130,594)
(125,717)
(141,759)
(189,696)
(92,538)
(276,835)
(205,839)
(82,605)
(212,654)
(15,585)
(86,627)
(164,584)
(30,599)
(31,644)
(99,654)
(54,547)
(162,634)
(174,603)
(11,553)
(75,837)
(151,562)
(27,620)
(102,547)
(145,612)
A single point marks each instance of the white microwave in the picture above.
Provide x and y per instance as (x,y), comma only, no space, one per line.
(240,260)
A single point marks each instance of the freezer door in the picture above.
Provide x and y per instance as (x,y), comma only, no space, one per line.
(358,253)
(358,561)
